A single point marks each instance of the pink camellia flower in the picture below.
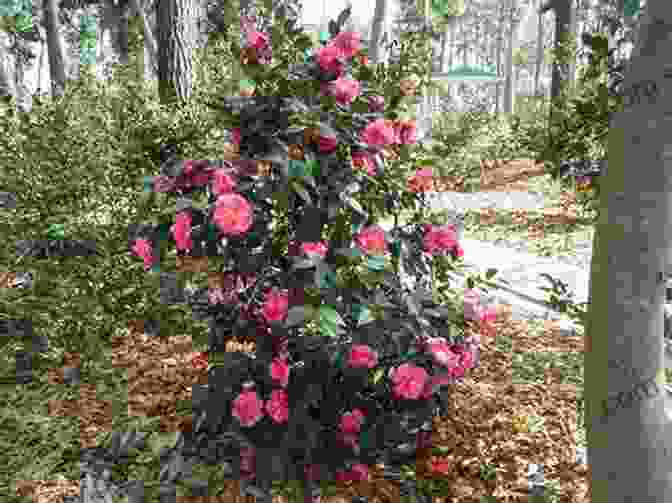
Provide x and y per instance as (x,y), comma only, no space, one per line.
(317,248)
(421,181)
(351,422)
(344,90)
(276,305)
(458,251)
(257,39)
(409,381)
(348,43)
(312,472)
(247,462)
(143,248)
(472,307)
(248,408)
(182,231)
(194,174)
(328,57)
(327,144)
(199,360)
(278,406)
(362,160)
(357,472)
(405,132)
(280,371)
(372,240)
(348,439)
(362,356)
(440,239)
(233,214)
(222,182)
(376,103)
(378,132)
(487,318)
(235,135)
(217,296)
(163,183)
(440,351)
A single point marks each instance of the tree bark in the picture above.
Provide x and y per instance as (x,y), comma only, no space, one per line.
(500,42)
(151,66)
(509,83)
(55,49)
(628,434)
(174,22)
(7,83)
(540,53)
(375,49)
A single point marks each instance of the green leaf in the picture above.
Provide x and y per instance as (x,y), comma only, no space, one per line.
(56,231)
(301,191)
(395,248)
(313,167)
(24,23)
(376,262)
(327,279)
(489,273)
(297,168)
(330,315)
(362,314)
(378,375)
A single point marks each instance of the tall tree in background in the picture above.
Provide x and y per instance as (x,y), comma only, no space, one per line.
(628,433)
(540,50)
(377,31)
(151,57)
(176,29)
(510,81)
(55,49)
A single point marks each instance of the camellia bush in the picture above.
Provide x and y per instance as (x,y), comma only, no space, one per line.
(354,345)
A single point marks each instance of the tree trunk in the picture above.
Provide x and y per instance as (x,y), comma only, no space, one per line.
(114,37)
(150,51)
(540,52)
(174,21)
(629,445)
(55,49)
(7,82)
(500,42)
(377,31)
(509,83)
(442,57)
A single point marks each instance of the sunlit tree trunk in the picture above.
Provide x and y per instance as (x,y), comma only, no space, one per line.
(375,49)
(150,50)
(55,49)
(540,52)
(175,42)
(628,434)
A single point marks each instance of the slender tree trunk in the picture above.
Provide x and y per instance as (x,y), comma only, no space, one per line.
(500,42)
(540,52)
(629,442)
(375,49)
(174,21)
(7,82)
(55,49)
(150,51)
(442,57)
(509,83)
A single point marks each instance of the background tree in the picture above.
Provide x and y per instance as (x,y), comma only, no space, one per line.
(177,36)
(55,49)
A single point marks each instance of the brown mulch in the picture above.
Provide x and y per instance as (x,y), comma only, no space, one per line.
(487,423)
